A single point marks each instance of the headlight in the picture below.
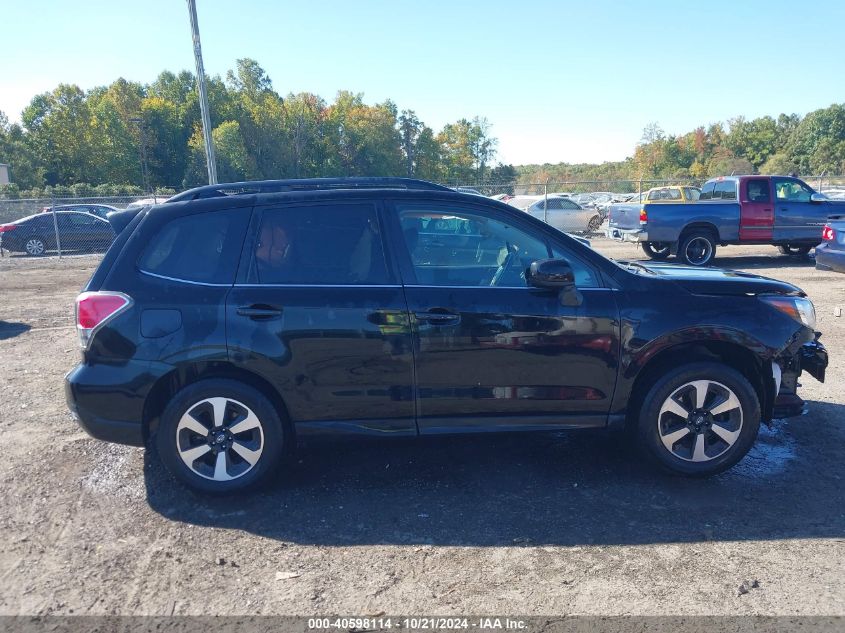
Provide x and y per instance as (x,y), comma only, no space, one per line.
(799,308)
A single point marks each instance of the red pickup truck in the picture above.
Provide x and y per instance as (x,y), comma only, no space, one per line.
(778,210)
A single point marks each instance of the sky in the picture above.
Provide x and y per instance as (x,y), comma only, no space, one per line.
(559,81)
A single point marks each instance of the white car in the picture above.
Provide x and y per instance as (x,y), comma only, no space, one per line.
(564,214)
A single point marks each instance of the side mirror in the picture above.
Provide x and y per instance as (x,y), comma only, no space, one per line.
(818,197)
(551,274)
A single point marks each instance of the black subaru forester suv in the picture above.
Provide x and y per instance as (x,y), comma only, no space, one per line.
(233,319)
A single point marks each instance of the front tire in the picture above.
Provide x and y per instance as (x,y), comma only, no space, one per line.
(699,419)
(657,250)
(221,436)
(698,248)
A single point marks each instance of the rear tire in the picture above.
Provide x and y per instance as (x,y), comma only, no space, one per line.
(699,419)
(657,250)
(221,436)
(794,251)
(698,248)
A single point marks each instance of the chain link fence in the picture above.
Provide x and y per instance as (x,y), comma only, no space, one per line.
(61,227)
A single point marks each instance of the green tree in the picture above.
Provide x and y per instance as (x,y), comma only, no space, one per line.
(409,129)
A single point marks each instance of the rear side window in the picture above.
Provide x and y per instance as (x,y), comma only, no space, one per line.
(325,244)
(202,248)
(692,193)
(707,191)
(758,190)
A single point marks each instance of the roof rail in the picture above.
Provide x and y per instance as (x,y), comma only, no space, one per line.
(302,184)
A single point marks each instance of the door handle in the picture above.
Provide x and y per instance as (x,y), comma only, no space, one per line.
(260,312)
(438,317)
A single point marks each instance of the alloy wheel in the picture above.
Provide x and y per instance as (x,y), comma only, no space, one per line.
(700,421)
(698,251)
(219,439)
(34,246)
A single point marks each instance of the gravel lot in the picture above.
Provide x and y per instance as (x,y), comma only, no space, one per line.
(572,524)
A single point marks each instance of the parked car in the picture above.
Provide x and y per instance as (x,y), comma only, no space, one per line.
(777,210)
(469,190)
(36,235)
(223,328)
(146,202)
(100,210)
(564,214)
(830,254)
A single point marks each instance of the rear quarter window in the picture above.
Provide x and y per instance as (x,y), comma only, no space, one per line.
(707,191)
(203,248)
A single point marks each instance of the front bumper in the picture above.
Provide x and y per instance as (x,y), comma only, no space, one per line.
(627,235)
(812,358)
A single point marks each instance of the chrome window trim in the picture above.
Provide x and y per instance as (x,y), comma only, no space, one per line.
(183,281)
(394,286)
(498,287)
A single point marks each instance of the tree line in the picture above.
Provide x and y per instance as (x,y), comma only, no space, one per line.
(809,145)
(127,136)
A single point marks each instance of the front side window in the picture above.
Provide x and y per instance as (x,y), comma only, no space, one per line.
(792,190)
(325,244)
(475,251)
(202,248)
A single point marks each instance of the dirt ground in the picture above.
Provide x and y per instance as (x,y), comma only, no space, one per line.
(568,524)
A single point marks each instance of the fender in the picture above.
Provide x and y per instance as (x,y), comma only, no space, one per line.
(679,346)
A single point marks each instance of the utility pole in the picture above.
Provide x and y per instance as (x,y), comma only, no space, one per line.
(206,118)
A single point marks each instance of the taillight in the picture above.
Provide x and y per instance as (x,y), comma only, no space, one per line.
(7,227)
(643,216)
(828,234)
(94,310)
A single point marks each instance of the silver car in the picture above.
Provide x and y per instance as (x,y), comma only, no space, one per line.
(565,214)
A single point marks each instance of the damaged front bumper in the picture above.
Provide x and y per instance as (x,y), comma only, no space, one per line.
(810,357)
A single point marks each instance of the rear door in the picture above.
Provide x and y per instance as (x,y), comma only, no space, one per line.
(319,313)
(756,210)
(492,353)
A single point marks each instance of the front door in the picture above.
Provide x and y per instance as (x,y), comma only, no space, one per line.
(757,218)
(318,313)
(492,353)
(797,219)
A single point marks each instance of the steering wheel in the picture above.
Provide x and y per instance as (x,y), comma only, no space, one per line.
(503,267)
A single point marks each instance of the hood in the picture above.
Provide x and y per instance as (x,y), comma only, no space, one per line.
(719,281)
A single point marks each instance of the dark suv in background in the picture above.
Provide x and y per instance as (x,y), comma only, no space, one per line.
(232,319)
